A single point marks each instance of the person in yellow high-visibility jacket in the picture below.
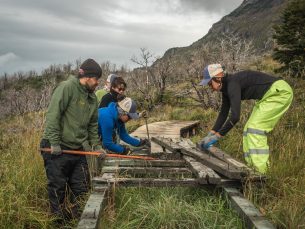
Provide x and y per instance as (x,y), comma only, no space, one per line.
(273,96)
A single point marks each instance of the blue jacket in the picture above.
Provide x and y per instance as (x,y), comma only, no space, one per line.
(108,122)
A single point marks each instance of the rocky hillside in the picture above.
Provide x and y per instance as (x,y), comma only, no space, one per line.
(252,20)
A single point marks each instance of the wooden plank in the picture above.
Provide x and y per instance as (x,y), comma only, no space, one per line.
(93,209)
(212,162)
(188,148)
(169,129)
(216,152)
(87,224)
(165,155)
(248,172)
(107,176)
(168,156)
(149,182)
(167,143)
(202,172)
(221,155)
(246,210)
(154,163)
(147,170)
(251,175)
(161,182)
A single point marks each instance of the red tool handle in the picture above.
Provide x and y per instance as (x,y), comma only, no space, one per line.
(97,154)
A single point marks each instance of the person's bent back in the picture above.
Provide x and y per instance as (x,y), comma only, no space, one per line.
(112,119)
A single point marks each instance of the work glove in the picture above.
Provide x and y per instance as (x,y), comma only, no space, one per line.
(144,142)
(56,150)
(202,142)
(86,146)
(99,149)
(143,114)
(127,150)
(208,141)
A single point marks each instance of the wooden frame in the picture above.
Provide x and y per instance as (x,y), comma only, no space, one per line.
(212,168)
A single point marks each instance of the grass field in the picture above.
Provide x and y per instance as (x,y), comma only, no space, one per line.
(154,208)
(23,196)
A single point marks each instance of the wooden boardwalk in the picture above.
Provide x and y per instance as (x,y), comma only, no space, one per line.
(167,129)
(178,163)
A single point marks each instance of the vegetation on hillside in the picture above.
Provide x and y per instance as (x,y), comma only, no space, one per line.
(290,37)
(252,22)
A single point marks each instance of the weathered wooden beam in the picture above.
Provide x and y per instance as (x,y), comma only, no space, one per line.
(167,143)
(148,182)
(93,209)
(107,176)
(203,173)
(212,162)
(188,148)
(166,155)
(246,210)
(147,170)
(221,155)
(153,163)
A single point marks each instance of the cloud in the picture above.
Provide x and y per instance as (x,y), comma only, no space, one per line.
(7,57)
(41,33)
(214,6)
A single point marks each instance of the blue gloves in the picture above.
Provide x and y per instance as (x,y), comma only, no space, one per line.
(209,140)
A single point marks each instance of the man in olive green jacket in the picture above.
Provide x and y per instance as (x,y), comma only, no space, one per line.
(71,123)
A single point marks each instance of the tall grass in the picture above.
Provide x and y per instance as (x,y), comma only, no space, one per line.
(23,194)
(169,208)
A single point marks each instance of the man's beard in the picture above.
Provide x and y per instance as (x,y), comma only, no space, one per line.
(89,88)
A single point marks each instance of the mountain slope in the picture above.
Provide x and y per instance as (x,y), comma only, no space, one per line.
(252,20)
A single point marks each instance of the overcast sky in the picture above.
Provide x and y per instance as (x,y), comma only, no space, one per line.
(37,33)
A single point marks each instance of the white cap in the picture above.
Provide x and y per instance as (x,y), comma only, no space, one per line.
(210,72)
(129,106)
(111,77)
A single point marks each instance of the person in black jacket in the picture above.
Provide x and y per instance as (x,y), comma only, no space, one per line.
(118,87)
(274,97)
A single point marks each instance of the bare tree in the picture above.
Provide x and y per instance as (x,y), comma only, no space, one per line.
(151,81)
(108,67)
(146,59)
(163,71)
(67,68)
(78,63)
(202,95)
(16,102)
(4,81)
(233,51)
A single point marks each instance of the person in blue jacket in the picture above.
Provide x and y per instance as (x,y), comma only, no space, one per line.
(112,120)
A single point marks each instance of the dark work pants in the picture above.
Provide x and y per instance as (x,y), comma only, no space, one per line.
(67,175)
